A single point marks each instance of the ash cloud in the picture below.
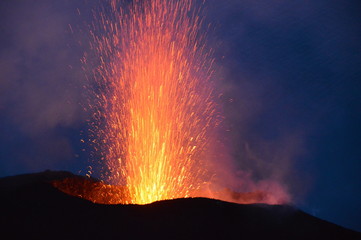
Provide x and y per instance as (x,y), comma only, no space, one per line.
(40,85)
(286,68)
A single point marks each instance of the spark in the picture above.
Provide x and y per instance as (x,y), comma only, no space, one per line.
(154,108)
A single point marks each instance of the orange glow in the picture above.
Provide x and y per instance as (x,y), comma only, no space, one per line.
(154,108)
(99,192)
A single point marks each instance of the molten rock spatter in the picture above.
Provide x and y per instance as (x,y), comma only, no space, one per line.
(94,191)
(154,112)
(99,192)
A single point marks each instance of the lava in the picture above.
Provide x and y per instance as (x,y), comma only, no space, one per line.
(99,192)
(154,109)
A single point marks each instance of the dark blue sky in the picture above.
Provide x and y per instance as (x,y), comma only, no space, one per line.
(290,73)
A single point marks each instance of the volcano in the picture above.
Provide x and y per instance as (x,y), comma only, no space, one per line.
(32,208)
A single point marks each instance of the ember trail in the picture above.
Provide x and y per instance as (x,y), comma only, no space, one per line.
(155,109)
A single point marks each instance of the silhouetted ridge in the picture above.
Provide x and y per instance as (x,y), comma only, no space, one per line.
(31,208)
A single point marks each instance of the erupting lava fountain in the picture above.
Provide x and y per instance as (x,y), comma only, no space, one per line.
(154,110)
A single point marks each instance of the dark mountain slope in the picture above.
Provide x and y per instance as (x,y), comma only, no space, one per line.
(32,208)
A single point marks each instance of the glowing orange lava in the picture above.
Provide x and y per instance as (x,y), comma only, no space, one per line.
(154,105)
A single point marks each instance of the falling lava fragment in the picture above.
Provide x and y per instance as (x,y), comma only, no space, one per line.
(154,109)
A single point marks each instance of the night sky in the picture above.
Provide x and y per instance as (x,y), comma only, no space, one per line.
(289,72)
